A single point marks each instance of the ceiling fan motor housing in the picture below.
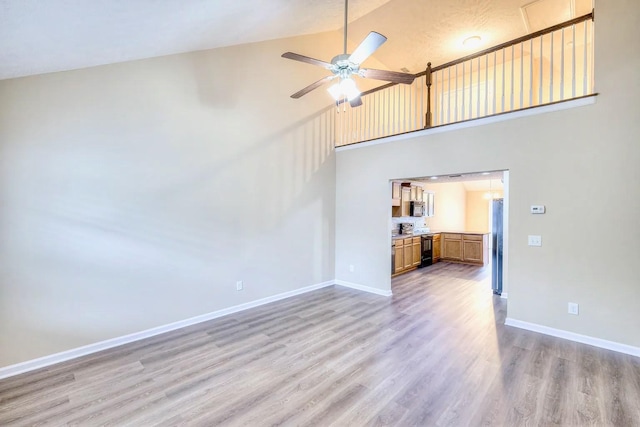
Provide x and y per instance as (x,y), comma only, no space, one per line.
(342,67)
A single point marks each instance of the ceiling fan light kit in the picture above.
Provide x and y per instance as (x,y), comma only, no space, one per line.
(346,67)
(345,89)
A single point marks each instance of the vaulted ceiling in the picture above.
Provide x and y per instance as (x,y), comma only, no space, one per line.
(39,36)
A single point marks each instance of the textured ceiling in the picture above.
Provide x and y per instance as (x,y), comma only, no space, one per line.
(422,31)
(40,36)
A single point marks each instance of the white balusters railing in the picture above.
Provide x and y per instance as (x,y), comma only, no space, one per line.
(550,66)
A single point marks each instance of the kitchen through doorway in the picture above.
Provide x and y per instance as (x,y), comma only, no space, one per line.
(460,218)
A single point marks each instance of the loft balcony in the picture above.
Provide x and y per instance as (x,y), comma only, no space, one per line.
(547,67)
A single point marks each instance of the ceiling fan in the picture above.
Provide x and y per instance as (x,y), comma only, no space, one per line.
(344,67)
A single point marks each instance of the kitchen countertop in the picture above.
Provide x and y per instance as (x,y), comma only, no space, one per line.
(465,232)
(407,236)
(431,233)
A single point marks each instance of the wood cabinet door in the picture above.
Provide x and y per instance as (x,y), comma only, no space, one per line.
(436,248)
(406,202)
(408,256)
(399,258)
(472,251)
(395,190)
(452,249)
(417,253)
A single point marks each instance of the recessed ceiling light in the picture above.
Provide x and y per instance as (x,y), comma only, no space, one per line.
(434,177)
(473,41)
(486,173)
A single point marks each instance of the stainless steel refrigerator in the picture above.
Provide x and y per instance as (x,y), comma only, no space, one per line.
(496,250)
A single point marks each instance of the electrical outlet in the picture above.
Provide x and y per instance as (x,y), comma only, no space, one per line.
(573,308)
(535,240)
(352,268)
(239,285)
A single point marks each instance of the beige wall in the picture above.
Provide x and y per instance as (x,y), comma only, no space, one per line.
(136,194)
(477,213)
(450,206)
(562,160)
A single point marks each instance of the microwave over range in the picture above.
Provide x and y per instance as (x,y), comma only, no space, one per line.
(417,209)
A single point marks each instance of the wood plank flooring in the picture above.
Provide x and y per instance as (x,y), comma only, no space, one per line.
(435,354)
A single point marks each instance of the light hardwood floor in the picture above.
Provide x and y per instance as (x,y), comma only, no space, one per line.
(436,353)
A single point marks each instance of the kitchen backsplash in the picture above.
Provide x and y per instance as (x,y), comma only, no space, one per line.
(417,221)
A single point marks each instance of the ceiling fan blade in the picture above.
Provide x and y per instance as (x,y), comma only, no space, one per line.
(356,102)
(302,58)
(312,86)
(390,76)
(369,45)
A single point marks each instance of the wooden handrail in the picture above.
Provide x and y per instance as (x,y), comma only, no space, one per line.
(557,27)
(512,42)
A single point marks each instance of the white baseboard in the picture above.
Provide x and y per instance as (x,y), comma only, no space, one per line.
(64,356)
(572,336)
(504,295)
(363,288)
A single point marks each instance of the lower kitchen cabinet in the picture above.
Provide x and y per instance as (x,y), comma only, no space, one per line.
(437,248)
(472,250)
(457,247)
(416,245)
(452,247)
(398,256)
(467,248)
(407,254)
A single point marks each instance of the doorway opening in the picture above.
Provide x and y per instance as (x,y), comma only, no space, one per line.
(460,218)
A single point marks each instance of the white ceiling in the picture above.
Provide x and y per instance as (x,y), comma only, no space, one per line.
(484,185)
(475,181)
(40,36)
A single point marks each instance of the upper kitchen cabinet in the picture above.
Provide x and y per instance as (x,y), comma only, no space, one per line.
(400,199)
(429,198)
(403,193)
(405,201)
(419,194)
(396,194)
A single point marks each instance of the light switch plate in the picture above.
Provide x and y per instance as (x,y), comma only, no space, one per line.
(535,240)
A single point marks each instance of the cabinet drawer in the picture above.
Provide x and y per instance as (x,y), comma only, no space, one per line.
(408,241)
(472,237)
(416,239)
(451,236)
